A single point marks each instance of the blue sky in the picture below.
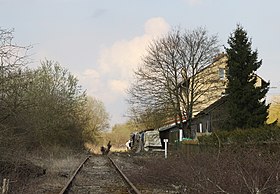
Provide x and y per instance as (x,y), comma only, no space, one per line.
(102,41)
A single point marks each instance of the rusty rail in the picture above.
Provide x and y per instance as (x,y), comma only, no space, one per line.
(135,190)
(68,184)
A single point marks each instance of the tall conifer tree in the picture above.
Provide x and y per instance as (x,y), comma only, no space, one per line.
(246,101)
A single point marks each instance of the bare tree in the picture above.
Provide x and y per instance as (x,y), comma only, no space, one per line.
(168,80)
(157,79)
(12,59)
(200,80)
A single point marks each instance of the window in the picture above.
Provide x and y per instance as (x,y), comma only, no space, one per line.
(222,73)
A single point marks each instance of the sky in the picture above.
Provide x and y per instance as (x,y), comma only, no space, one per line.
(102,41)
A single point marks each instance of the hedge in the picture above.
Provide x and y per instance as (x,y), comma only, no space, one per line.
(261,135)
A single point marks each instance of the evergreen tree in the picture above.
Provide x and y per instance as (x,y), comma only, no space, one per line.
(246,101)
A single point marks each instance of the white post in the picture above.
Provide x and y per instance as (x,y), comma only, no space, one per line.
(180,134)
(5,186)
(165,147)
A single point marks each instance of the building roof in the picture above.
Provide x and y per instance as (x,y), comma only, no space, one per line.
(212,106)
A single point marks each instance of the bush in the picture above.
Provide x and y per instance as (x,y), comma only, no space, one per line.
(246,171)
(266,134)
(190,142)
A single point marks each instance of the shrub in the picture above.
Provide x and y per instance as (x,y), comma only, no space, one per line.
(190,142)
(266,134)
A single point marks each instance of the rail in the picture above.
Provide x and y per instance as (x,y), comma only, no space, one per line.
(129,183)
(68,184)
(135,190)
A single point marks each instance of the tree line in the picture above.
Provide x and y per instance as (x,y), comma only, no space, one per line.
(43,106)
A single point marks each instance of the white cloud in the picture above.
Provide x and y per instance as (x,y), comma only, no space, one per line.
(156,26)
(118,86)
(116,63)
(91,82)
(91,73)
(124,55)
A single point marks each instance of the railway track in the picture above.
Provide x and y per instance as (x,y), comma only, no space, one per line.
(99,175)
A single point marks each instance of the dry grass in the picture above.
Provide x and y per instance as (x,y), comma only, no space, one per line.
(95,149)
(232,171)
(59,164)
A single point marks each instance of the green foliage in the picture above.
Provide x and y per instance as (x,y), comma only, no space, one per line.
(46,106)
(264,134)
(96,119)
(119,135)
(43,107)
(150,119)
(12,59)
(53,102)
(190,142)
(246,102)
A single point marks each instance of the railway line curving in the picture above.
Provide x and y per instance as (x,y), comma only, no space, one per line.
(99,174)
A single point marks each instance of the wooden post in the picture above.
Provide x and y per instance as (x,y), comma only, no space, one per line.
(165,147)
(5,186)
(180,135)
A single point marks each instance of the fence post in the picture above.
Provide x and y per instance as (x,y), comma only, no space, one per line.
(180,135)
(165,147)
(5,186)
